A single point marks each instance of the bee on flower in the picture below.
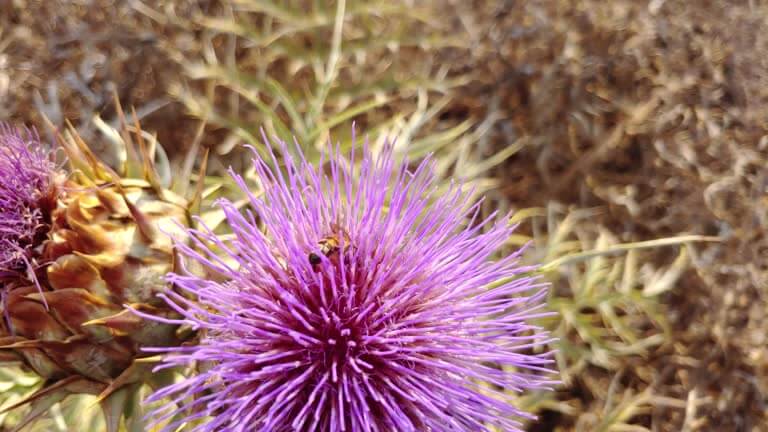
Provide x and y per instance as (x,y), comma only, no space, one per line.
(354,297)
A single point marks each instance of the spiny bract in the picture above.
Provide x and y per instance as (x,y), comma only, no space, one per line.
(78,246)
(355,299)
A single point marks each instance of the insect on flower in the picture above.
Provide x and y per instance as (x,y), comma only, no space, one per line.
(330,246)
(402,317)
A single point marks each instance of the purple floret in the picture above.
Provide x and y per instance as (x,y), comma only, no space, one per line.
(26,179)
(355,301)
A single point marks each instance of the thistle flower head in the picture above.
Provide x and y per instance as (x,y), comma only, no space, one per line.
(355,299)
(26,183)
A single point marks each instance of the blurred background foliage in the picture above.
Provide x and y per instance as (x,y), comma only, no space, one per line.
(627,135)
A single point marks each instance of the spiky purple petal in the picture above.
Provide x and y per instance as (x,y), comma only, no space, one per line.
(407,325)
(26,179)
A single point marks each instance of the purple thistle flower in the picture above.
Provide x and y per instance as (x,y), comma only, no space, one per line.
(355,301)
(26,188)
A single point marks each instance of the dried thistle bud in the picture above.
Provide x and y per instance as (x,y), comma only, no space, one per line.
(77,246)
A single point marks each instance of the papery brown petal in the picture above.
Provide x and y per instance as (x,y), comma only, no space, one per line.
(139,330)
(32,357)
(74,306)
(72,271)
(30,319)
(99,362)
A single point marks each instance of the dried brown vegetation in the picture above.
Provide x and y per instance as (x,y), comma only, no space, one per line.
(654,112)
(650,114)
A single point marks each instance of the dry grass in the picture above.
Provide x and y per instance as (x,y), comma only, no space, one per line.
(66,59)
(613,123)
(653,112)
